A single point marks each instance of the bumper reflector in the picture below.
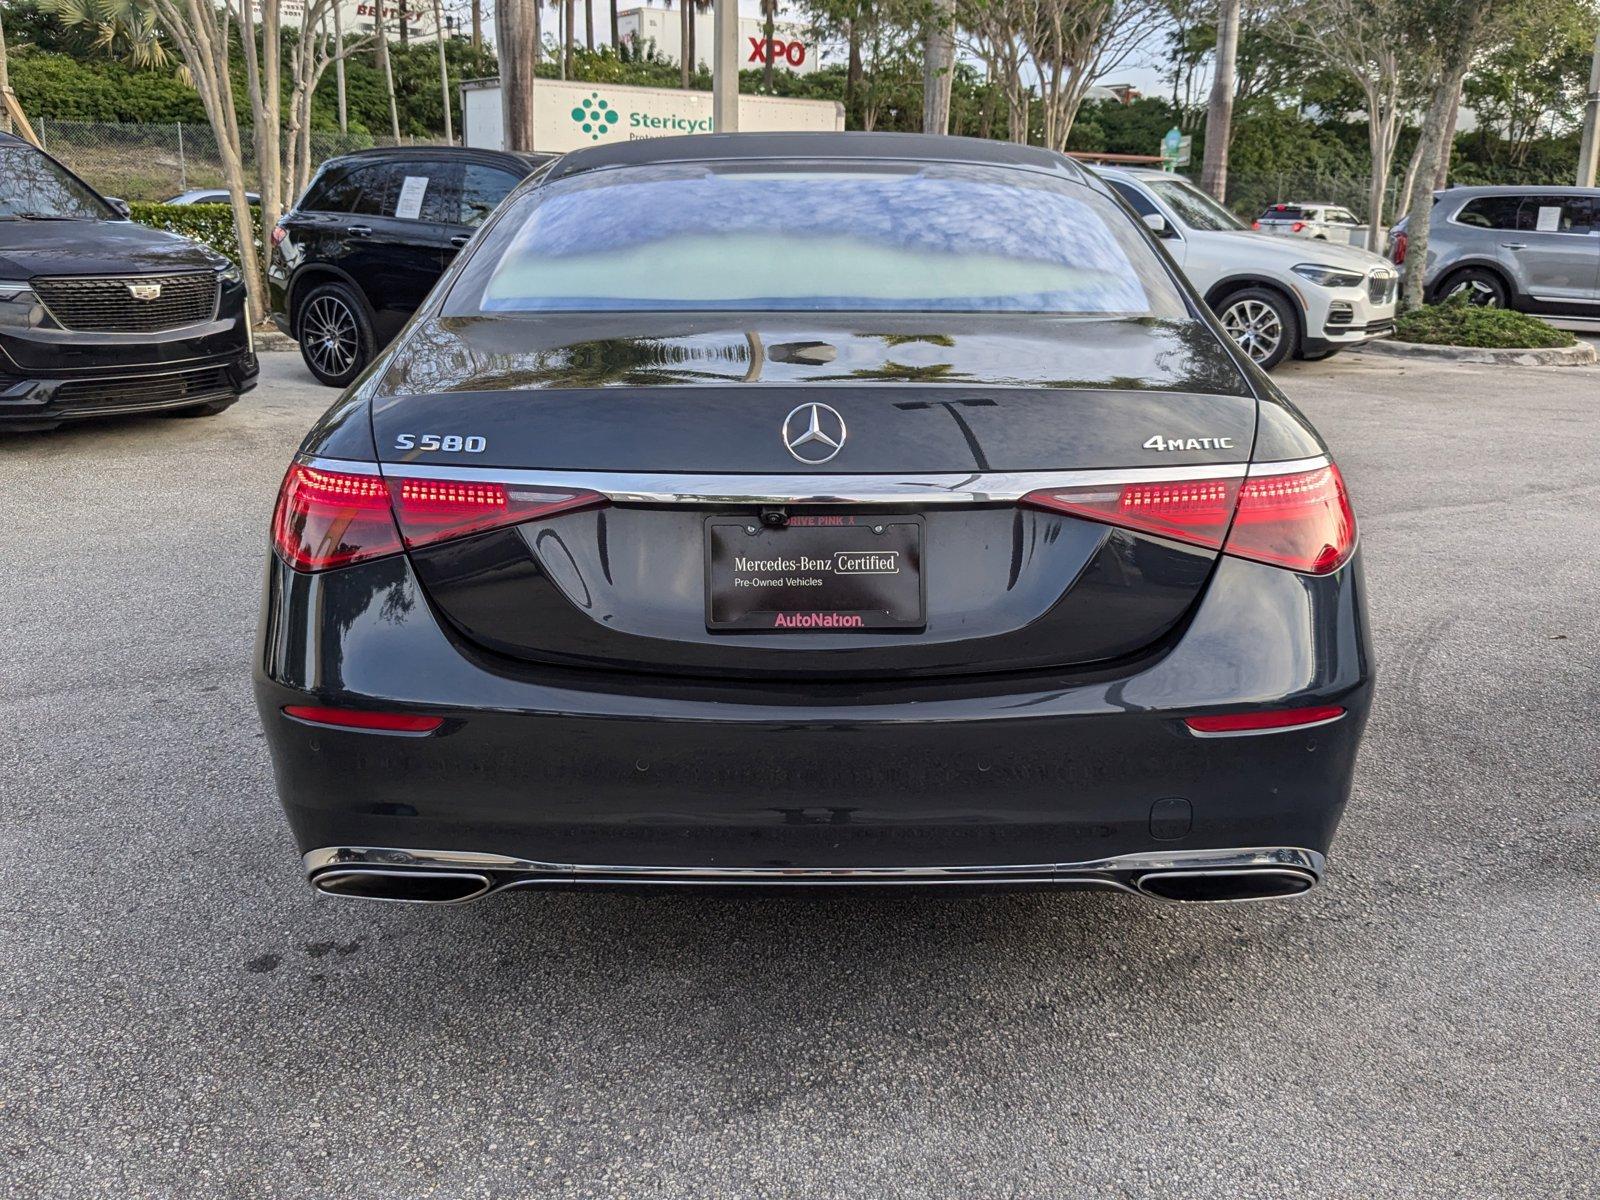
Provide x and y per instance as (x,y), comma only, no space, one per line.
(1254,722)
(356,718)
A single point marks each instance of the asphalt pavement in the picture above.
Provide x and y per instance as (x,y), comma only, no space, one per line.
(181,1017)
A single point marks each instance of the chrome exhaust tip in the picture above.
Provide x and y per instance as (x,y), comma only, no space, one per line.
(1226,886)
(402,886)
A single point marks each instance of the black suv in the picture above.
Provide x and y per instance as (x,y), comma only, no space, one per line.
(99,315)
(369,239)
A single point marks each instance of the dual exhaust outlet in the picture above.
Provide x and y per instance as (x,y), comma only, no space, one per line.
(1202,885)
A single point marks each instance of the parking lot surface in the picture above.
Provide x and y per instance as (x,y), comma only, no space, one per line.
(184,1018)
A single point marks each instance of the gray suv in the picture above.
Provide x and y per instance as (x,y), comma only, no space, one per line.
(1535,249)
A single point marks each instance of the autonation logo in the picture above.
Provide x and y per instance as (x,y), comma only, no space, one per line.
(598,117)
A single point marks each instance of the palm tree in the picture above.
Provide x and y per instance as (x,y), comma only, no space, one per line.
(124,30)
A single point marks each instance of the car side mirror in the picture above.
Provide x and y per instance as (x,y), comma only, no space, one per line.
(120,207)
(1158,225)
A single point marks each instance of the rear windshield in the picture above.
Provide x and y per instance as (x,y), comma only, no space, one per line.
(32,187)
(1283,212)
(816,238)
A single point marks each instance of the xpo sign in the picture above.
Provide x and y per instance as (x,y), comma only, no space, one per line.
(793,53)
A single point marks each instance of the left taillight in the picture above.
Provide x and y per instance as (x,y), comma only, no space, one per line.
(435,510)
(1300,520)
(278,234)
(327,518)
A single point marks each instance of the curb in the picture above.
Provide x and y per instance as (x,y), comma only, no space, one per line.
(1580,355)
(270,340)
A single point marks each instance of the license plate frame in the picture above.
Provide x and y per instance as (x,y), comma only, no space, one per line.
(875,580)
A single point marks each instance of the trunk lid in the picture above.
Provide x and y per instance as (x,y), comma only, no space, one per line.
(685,421)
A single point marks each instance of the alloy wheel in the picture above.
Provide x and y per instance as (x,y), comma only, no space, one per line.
(1477,292)
(1256,326)
(330,335)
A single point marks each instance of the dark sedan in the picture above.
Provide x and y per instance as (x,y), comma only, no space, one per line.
(902,518)
(99,315)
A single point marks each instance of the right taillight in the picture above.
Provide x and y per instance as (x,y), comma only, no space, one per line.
(1398,254)
(1301,521)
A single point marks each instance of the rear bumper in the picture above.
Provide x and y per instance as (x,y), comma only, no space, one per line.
(549,776)
(456,877)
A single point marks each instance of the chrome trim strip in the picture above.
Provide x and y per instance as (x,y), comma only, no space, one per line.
(1292,466)
(1107,869)
(994,487)
(687,488)
(349,466)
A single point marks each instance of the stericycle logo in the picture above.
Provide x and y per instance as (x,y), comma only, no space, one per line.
(595,117)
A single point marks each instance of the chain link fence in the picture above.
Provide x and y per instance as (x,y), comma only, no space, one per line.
(156,162)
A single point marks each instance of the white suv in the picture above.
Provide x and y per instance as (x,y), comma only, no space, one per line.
(1275,296)
(1320,222)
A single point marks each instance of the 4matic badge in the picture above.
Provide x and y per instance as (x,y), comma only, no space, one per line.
(1206,443)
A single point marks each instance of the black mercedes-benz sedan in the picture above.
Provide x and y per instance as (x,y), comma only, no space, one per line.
(99,315)
(812,510)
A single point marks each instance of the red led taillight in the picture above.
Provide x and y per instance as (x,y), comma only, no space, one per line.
(327,518)
(1297,227)
(1256,722)
(1196,511)
(432,510)
(278,234)
(1300,520)
(1255,224)
(1398,252)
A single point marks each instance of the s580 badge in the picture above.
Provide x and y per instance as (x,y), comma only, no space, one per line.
(451,443)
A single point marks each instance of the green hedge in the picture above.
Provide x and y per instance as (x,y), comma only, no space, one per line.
(209,224)
(1458,323)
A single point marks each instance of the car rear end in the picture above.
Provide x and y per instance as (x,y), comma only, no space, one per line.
(1286,220)
(760,598)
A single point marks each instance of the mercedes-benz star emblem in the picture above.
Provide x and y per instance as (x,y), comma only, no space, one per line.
(814,433)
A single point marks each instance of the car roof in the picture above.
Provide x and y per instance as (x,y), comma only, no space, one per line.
(744,147)
(403,153)
(1139,173)
(1518,189)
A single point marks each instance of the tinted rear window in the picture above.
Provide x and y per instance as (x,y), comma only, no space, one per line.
(1490,212)
(816,237)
